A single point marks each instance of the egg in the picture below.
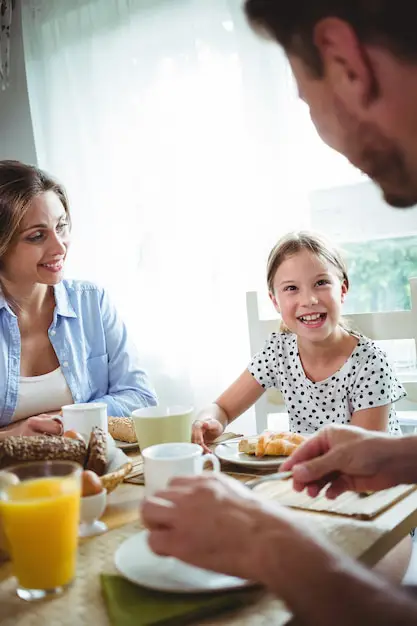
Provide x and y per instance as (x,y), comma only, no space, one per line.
(72,434)
(90,484)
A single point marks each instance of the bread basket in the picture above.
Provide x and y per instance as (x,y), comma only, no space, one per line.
(119,466)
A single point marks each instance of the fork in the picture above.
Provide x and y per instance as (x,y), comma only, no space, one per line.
(270,477)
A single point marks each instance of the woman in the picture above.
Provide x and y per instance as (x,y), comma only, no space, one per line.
(61,341)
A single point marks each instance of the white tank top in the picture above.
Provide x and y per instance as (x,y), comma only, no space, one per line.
(40,394)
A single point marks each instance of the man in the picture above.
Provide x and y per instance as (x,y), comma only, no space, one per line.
(355,62)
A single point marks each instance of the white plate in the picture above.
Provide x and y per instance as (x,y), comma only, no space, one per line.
(125,445)
(230,452)
(136,562)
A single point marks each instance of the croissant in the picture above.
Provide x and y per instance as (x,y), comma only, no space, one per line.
(271,444)
(275,447)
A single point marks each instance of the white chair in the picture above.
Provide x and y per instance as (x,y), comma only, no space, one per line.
(377,326)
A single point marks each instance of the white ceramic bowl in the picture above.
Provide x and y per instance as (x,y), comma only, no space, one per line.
(92,508)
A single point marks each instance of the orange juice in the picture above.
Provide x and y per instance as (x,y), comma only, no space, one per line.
(40,518)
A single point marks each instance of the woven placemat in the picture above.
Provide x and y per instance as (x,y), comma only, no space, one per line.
(83,605)
(348,504)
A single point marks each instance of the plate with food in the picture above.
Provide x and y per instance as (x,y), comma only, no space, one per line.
(123,432)
(270,449)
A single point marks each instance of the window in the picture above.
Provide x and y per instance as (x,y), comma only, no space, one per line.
(379,273)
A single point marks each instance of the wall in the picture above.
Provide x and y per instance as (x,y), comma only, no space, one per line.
(16,132)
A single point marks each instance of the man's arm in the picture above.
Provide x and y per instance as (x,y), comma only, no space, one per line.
(218,524)
(323,587)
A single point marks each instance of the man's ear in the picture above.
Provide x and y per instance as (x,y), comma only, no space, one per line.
(346,64)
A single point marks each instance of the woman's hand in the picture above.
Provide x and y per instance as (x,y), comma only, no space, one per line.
(39,425)
(205,431)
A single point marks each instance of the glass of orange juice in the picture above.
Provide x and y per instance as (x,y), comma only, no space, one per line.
(39,510)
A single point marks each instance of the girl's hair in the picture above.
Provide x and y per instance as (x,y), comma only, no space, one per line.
(295,242)
(20,184)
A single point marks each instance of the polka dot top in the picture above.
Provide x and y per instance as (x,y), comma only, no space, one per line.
(366,380)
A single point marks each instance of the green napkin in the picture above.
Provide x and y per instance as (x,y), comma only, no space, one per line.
(132,605)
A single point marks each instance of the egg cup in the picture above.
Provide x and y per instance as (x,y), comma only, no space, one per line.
(92,508)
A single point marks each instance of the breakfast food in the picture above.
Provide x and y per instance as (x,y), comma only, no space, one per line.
(90,484)
(271,444)
(97,451)
(41,448)
(122,428)
(72,434)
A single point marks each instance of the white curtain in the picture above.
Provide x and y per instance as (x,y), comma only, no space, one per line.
(177,134)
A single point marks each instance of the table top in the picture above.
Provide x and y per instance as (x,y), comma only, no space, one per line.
(395,523)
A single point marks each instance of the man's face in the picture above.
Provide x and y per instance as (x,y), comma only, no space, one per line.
(362,137)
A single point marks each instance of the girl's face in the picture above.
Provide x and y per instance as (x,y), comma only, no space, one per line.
(38,253)
(308,293)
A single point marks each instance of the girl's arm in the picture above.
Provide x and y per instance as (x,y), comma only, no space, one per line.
(212,420)
(239,397)
(375,418)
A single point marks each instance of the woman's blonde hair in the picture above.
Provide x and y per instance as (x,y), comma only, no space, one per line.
(295,242)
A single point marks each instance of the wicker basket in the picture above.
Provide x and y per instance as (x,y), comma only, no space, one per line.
(111,480)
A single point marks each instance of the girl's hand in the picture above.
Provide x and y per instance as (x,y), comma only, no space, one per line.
(205,431)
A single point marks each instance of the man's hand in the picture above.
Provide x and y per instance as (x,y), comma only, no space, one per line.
(214,522)
(351,459)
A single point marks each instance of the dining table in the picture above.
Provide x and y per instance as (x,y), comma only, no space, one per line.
(84,604)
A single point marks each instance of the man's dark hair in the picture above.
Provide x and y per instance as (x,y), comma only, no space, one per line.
(388,23)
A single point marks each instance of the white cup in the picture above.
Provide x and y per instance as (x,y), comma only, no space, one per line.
(166,460)
(84,416)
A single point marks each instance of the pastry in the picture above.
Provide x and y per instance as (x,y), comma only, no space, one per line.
(97,452)
(41,448)
(122,428)
(248,446)
(271,444)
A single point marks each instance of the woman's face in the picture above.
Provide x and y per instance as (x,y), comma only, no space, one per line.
(38,252)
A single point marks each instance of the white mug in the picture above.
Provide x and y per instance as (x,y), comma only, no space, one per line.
(166,460)
(84,416)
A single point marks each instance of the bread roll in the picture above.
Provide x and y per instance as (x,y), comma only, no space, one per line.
(122,429)
(41,448)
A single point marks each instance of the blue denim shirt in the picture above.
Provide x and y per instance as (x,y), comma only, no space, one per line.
(99,362)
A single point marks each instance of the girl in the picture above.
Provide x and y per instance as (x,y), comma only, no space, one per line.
(326,372)
(61,341)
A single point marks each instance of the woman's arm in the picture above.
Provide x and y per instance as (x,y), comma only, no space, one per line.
(375,418)
(129,387)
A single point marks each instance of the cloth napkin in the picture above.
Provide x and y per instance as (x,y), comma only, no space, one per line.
(132,605)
